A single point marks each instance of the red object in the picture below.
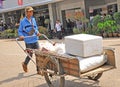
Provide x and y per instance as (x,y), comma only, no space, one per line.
(20,2)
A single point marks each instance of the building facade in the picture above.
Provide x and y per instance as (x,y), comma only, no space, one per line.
(12,11)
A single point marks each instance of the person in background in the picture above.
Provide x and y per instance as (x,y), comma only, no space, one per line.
(28,31)
(79,24)
(58,27)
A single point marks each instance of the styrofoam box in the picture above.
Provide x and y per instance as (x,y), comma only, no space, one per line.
(83,45)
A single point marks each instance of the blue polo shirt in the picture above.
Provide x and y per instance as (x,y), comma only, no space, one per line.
(25,27)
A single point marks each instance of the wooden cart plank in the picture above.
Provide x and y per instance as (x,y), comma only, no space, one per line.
(71,72)
(97,70)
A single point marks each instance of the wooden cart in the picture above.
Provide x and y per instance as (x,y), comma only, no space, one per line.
(52,64)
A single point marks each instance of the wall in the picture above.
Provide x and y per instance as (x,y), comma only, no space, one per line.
(118,1)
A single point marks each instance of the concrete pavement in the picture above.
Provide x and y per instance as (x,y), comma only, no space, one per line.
(12,75)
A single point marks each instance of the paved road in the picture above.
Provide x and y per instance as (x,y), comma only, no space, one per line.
(12,75)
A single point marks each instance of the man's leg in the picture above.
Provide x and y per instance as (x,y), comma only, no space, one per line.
(27,59)
(25,63)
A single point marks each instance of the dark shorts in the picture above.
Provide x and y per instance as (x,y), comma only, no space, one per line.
(32,45)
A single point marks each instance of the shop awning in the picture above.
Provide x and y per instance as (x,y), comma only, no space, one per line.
(30,4)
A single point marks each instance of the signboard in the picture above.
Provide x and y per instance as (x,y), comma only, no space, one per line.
(74,14)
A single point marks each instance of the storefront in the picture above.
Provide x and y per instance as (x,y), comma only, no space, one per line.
(69,12)
(59,9)
(43,9)
(102,7)
(73,11)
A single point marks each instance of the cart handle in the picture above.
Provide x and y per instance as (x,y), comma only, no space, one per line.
(53,43)
(17,40)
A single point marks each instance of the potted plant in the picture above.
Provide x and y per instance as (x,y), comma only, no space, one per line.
(108,25)
(97,25)
(101,27)
(76,31)
(112,27)
(116,17)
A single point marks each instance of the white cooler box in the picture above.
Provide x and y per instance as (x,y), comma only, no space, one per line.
(83,45)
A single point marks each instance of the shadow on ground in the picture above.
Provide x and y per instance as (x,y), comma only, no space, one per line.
(68,83)
(20,76)
(75,83)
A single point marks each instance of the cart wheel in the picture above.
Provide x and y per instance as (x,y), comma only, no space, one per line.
(48,77)
(95,77)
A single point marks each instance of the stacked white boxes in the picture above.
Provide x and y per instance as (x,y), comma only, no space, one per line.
(83,45)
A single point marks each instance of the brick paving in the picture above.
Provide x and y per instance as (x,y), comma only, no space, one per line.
(12,75)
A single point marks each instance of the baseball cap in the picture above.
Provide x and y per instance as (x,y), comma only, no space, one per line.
(29,8)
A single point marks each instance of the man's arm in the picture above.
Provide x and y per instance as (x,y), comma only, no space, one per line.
(20,31)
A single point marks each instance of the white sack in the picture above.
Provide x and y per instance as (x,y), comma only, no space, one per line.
(90,63)
(58,47)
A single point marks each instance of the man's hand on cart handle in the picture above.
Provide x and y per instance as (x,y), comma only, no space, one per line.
(38,34)
(21,37)
(54,43)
